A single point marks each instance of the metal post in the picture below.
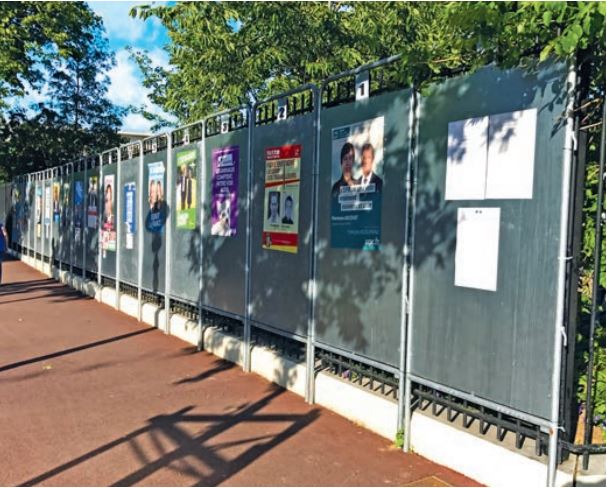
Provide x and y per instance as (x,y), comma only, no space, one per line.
(598,238)
(100,196)
(29,228)
(35,246)
(248,250)
(60,244)
(71,217)
(559,330)
(405,271)
(139,194)
(413,144)
(201,201)
(84,230)
(311,339)
(168,268)
(118,221)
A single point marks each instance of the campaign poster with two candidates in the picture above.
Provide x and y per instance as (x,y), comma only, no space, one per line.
(281,198)
(357,154)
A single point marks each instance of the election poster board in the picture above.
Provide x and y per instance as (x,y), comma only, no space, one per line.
(357,153)
(47,211)
(108,227)
(156,215)
(56,197)
(281,198)
(130,212)
(65,205)
(186,189)
(78,209)
(224,191)
(38,211)
(92,203)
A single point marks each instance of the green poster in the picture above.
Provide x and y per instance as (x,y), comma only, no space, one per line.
(185,193)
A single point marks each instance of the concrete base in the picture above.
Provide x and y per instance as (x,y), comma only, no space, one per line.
(489,462)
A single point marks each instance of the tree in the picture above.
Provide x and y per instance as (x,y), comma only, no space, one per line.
(62,47)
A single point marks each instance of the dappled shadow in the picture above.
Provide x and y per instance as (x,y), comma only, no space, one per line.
(221,366)
(72,350)
(490,343)
(213,456)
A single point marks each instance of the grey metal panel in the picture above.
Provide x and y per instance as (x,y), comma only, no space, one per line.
(79,214)
(65,206)
(16,200)
(224,258)
(55,244)
(39,210)
(185,273)
(280,280)
(30,213)
(108,258)
(21,211)
(47,215)
(91,236)
(26,215)
(153,271)
(3,212)
(128,257)
(358,292)
(495,345)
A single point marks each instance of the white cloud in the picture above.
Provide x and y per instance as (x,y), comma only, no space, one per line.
(135,123)
(126,89)
(120,25)
(159,57)
(125,81)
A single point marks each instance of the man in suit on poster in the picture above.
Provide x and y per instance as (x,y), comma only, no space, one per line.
(368,177)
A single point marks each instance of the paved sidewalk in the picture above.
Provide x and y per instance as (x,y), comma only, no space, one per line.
(88,396)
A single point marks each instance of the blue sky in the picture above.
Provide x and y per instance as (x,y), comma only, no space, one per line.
(126,82)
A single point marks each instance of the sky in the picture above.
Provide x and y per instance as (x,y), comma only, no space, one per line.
(123,31)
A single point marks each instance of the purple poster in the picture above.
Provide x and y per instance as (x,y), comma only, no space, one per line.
(224,191)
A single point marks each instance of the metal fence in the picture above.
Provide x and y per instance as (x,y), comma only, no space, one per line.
(344,225)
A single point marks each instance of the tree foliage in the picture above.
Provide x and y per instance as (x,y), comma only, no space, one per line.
(59,49)
(224,54)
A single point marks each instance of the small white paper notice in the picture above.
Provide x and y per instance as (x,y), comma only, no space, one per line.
(477,248)
(511,155)
(467,159)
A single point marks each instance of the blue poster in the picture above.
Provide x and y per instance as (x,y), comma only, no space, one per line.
(357,153)
(130,214)
(156,216)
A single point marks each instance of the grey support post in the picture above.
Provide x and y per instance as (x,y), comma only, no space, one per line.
(140,232)
(118,220)
(168,265)
(559,330)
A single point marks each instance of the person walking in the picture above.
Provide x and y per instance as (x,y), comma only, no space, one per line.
(3,245)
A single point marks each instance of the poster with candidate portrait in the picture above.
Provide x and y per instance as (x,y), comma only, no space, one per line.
(92,202)
(130,219)
(78,208)
(224,191)
(38,211)
(185,181)
(155,219)
(108,223)
(357,154)
(65,205)
(47,211)
(56,197)
(281,198)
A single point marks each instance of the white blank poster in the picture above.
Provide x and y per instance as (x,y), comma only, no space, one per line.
(467,159)
(511,155)
(477,248)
